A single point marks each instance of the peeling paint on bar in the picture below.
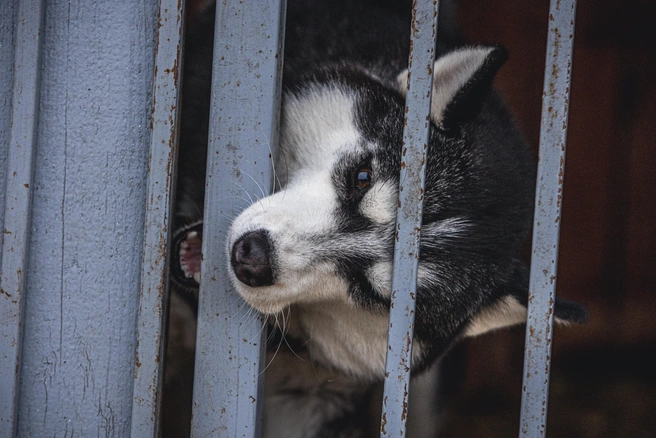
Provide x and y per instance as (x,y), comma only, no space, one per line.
(244,118)
(17,208)
(148,372)
(555,106)
(406,251)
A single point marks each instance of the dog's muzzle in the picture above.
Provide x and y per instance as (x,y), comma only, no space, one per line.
(251,259)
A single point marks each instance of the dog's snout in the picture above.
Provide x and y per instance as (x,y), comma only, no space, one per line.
(251,259)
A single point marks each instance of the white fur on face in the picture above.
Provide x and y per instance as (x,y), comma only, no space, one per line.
(379,204)
(292,218)
(380,277)
(317,126)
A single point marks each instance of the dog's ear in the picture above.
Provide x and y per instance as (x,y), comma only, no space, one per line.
(511,308)
(461,80)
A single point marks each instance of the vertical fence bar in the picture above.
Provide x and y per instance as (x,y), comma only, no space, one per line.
(149,354)
(88,205)
(548,199)
(17,208)
(408,219)
(244,119)
(7,49)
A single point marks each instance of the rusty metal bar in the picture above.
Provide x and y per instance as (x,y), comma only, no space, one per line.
(244,114)
(548,200)
(149,353)
(17,208)
(408,226)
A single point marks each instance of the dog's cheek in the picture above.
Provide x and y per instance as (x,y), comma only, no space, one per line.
(379,205)
(364,294)
(380,277)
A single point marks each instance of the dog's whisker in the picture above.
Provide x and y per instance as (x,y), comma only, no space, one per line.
(273,161)
(286,329)
(272,332)
(271,361)
(259,200)
(259,186)
(243,306)
(259,333)
(231,218)
(245,191)
(247,201)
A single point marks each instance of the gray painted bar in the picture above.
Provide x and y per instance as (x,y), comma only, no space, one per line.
(7,48)
(86,236)
(244,123)
(17,206)
(408,220)
(149,356)
(548,201)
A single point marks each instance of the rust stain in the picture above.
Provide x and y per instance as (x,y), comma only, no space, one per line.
(404,411)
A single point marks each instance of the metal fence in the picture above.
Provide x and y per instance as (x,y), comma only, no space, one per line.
(87,135)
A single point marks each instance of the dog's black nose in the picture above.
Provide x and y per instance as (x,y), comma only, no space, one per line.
(251,259)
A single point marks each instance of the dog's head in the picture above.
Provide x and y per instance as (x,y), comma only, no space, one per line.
(327,234)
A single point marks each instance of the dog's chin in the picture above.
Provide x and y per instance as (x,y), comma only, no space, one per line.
(260,298)
(293,287)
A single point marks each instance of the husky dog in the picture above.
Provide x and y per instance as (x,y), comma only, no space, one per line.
(319,250)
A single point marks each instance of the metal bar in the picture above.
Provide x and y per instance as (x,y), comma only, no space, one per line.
(244,118)
(408,221)
(7,49)
(553,133)
(18,200)
(149,354)
(88,212)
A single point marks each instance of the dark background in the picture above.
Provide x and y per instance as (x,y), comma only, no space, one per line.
(603,374)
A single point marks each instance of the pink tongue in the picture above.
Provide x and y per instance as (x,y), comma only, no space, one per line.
(190,255)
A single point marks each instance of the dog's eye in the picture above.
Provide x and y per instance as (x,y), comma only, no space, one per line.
(363,178)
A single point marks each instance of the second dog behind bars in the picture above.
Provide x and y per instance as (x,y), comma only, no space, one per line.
(316,255)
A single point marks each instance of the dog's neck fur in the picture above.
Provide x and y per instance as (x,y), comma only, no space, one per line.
(316,400)
(339,336)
